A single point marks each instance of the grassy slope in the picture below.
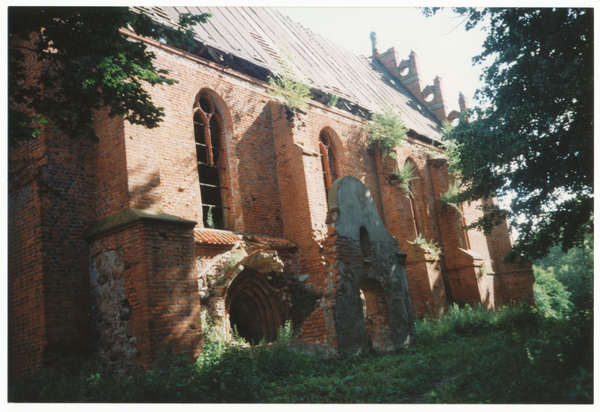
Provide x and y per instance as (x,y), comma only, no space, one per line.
(470,356)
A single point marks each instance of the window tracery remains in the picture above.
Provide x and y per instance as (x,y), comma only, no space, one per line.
(209,140)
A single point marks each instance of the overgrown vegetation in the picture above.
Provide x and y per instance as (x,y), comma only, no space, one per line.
(287,90)
(387,131)
(333,100)
(405,175)
(451,147)
(210,223)
(450,197)
(530,137)
(431,244)
(564,282)
(236,257)
(81,71)
(470,355)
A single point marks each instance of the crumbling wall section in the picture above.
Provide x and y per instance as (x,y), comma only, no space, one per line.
(364,252)
(145,287)
(222,269)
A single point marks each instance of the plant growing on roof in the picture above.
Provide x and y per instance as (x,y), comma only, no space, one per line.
(450,196)
(451,145)
(287,90)
(387,131)
(405,176)
(333,100)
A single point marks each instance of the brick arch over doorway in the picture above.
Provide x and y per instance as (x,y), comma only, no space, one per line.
(253,307)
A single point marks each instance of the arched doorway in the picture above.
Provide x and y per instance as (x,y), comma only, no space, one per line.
(375,310)
(253,307)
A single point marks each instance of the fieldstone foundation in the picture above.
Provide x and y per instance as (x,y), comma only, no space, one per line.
(112,312)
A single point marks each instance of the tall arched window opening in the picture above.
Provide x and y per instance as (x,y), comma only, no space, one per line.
(413,204)
(328,160)
(208,133)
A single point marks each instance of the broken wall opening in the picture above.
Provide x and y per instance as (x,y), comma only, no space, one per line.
(376,315)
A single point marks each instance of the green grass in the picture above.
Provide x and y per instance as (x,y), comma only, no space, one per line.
(471,355)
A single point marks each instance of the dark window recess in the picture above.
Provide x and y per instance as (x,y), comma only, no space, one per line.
(210,165)
(365,242)
(328,161)
(413,205)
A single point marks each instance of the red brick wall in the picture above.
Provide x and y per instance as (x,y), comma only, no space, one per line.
(51,208)
(252,172)
(68,211)
(160,284)
(26,302)
(112,193)
(26,299)
(275,187)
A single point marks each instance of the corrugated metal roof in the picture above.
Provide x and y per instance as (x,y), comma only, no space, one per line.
(259,34)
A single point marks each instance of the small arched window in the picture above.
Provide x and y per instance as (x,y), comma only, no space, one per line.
(328,160)
(208,134)
(365,242)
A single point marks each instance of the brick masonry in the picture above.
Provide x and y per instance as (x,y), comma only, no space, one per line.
(273,182)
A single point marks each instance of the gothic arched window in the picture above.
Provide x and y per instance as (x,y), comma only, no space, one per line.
(328,160)
(209,137)
(413,204)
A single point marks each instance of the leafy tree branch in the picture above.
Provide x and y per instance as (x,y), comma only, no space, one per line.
(87,64)
(532,137)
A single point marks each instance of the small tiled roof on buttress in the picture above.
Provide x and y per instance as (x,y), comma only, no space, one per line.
(224,237)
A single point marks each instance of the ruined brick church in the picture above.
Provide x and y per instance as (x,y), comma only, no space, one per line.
(241,211)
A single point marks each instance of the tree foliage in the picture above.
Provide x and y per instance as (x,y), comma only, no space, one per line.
(551,297)
(87,63)
(574,271)
(532,135)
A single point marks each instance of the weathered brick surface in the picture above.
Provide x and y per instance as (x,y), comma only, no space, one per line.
(51,207)
(160,284)
(273,185)
(26,299)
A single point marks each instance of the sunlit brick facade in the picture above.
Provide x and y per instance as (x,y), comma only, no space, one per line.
(111,251)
